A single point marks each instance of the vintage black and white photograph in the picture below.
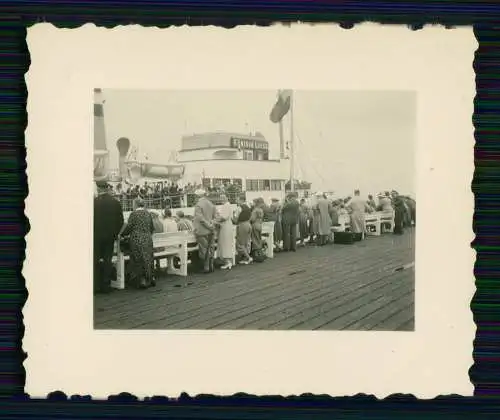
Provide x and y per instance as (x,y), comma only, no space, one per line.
(251,219)
(254,210)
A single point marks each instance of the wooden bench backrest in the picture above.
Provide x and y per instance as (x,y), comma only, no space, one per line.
(173,239)
(170,239)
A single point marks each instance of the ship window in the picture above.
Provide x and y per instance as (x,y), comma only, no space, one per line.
(267,185)
(248,155)
(261,185)
(252,185)
(237,181)
(260,155)
(218,182)
(275,185)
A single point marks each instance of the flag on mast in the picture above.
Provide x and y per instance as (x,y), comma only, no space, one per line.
(282,105)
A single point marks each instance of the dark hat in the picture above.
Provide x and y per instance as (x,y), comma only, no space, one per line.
(102,185)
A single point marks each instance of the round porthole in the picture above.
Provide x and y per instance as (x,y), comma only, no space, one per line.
(176,263)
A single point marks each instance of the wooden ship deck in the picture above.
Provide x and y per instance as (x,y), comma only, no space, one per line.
(368,285)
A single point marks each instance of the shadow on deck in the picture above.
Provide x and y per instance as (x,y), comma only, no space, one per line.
(336,287)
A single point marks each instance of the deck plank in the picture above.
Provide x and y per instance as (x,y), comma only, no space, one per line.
(400,320)
(398,306)
(324,316)
(234,282)
(307,286)
(331,292)
(331,287)
(407,326)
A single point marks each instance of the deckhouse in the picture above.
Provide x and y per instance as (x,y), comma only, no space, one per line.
(221,158)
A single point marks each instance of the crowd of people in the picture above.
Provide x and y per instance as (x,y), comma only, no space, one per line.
(296,223)
(163,194)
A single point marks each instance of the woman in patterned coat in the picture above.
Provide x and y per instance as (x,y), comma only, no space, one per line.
(140,228)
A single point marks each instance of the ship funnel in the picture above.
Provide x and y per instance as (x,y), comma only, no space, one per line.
(101,153)
(123,146)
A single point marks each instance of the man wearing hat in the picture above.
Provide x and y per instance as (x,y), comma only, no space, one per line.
(275,216)
(290,215)
(204,230)
(108,222)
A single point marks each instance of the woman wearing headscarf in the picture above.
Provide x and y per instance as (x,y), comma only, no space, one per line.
(256,222)
(226,233)
(140,228)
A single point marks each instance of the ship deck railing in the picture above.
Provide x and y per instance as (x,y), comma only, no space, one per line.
(177,201)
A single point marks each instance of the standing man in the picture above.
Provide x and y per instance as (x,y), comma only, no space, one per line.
(325,221)
(358,208)
(290,219)
(204,230)
(399,213)
(108,222)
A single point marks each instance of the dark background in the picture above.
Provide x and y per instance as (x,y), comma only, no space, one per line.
(14,62)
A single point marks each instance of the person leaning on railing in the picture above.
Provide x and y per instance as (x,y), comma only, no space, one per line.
(140,229)
(183,224)
(169,224)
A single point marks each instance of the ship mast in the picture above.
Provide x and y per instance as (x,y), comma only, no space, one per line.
(282,137)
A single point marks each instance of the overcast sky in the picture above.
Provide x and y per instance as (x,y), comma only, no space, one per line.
(344,139)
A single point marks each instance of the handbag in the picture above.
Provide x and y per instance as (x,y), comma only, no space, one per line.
(125,244)
(259,255)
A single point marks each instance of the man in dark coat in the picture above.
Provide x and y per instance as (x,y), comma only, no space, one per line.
(108,222)
(290,219)
(410,203)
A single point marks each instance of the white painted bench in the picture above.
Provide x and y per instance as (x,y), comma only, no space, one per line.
(179,244)
(344,223)
(166,246)
(376,223)
(373,224)
(387,221)
(267,235)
